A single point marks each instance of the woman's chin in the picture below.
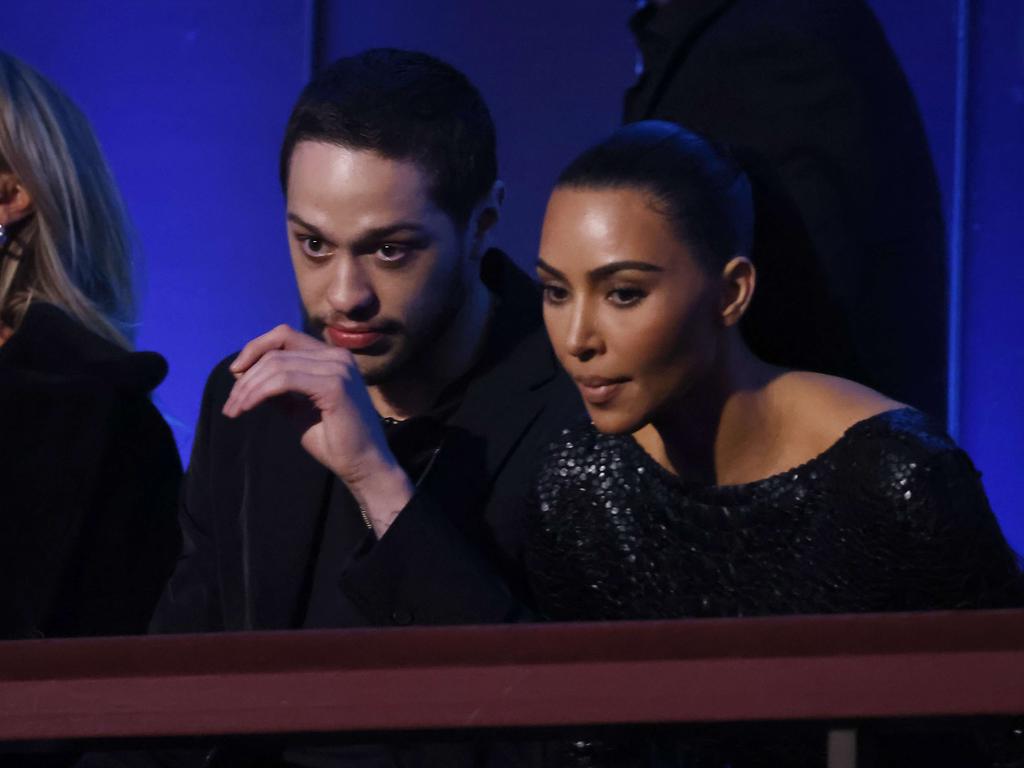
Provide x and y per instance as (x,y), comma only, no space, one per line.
(615,422)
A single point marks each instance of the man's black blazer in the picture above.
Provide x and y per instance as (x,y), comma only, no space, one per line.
(254,499)
(850,241)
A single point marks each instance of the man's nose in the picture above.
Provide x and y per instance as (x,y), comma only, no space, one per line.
(351,291)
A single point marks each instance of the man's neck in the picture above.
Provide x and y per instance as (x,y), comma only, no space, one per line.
(451,357)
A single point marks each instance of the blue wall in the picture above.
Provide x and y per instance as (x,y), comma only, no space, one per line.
(553,74)
(984,201)
(992,353)
(190,98)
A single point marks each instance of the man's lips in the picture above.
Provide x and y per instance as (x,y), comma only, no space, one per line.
(599,390)
(353,338)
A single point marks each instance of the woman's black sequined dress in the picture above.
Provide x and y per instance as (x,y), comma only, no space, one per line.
(892,517)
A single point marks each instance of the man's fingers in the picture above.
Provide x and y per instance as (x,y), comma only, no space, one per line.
(313,374)
(281,382)
(281,337)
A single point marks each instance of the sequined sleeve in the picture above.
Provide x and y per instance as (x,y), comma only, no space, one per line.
(570,526)
(953,553)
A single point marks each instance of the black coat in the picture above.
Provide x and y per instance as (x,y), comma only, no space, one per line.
(254,500)
(89,477)
(850,241)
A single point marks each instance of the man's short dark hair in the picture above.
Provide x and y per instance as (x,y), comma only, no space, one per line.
(403,105)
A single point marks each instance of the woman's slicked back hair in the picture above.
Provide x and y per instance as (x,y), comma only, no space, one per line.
(694,183)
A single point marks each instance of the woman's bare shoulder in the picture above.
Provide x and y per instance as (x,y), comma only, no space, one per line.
(823,407)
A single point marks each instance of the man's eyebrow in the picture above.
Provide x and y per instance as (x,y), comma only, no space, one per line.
(306,225)
(600,273)
(380,233)
(370,235)
(371,239)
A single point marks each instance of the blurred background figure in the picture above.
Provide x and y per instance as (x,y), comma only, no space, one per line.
(89,471)
(850,245)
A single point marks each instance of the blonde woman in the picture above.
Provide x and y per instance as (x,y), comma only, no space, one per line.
(88,468)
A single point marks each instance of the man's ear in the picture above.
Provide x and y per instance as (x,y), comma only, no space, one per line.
(15,200)
(484,218)
(739,278)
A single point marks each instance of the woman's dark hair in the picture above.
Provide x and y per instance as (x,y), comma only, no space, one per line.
(403,105)
(694,183)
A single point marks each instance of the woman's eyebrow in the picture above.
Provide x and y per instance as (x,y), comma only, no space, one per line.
(606,270)
(541,264)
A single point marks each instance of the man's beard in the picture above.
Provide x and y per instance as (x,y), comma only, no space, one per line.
(418,346)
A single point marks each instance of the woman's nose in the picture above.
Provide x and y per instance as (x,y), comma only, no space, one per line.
(583,341)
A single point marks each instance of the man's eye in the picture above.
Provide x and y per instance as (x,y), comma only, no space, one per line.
(392,252)
(314,247)
(554,294)
(626,297)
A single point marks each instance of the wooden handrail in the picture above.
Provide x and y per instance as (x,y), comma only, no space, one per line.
(804,667)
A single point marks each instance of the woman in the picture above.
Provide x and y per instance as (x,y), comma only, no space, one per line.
(88,467)
(711,483)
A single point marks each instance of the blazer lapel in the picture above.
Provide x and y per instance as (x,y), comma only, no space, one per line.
(665,36)
(504,402)
(503,399)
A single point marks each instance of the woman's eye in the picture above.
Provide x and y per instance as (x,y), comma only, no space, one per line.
(314,247)
(392,252)
(626,297)
(554,294)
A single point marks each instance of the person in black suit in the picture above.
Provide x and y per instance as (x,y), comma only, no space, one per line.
(357,476)
(375,472)
(89,471)
(851,241)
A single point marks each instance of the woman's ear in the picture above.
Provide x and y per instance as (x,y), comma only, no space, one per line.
(15,201)
(485,216)
(739,278)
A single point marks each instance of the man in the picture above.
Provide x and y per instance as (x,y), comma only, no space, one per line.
(850,241)
(374,472)
(306,443)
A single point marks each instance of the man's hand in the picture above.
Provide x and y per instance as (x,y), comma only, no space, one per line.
(347,438)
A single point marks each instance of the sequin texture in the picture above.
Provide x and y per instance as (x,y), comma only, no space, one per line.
(891,517)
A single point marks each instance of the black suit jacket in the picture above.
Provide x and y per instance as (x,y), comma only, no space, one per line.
(850,241)
(89,477)
(254,503)
(254,500)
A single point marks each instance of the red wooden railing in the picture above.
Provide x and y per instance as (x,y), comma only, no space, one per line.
(815,667)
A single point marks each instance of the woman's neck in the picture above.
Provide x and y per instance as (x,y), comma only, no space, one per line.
(723,429)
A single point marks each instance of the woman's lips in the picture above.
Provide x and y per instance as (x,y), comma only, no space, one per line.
(353,339)
(598,391)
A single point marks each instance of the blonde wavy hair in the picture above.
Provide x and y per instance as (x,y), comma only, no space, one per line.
(74,249)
